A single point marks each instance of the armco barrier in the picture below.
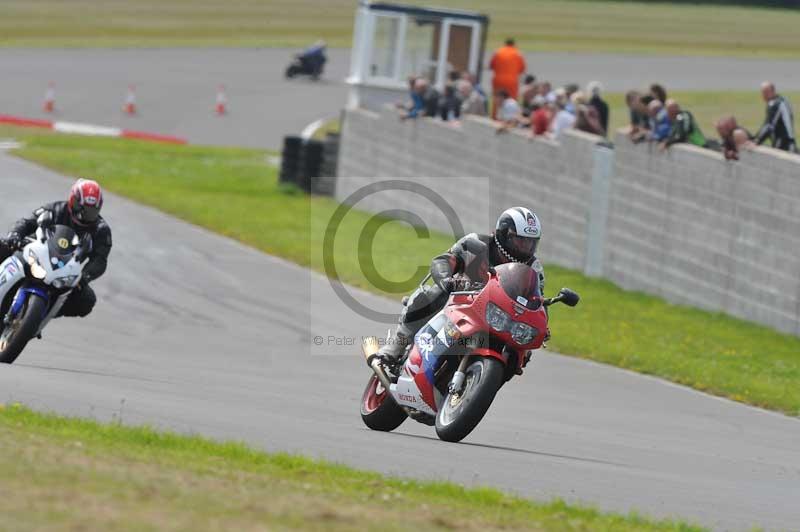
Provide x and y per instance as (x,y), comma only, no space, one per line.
(685,225)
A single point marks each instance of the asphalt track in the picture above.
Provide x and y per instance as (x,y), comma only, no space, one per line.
(200,334)
(176,88)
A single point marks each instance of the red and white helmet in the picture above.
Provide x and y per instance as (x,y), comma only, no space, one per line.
(85,202)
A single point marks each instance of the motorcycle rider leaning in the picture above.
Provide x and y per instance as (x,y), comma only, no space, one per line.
(515,239)
(81,212)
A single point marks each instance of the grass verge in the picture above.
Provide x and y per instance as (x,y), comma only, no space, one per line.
(69,474)
(538,25)
(233,192)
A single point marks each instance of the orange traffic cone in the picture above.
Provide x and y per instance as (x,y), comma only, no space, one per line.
(222,101)
(130,101)
(50,98)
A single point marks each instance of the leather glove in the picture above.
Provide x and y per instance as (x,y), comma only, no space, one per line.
(448,284)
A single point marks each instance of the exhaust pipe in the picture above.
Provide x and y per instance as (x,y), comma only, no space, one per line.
(370,347)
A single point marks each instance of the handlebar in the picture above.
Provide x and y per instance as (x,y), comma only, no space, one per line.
(465,286)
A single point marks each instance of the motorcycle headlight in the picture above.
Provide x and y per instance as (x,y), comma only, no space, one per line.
(36,269)
(64,282)
(497,318)
(523,333)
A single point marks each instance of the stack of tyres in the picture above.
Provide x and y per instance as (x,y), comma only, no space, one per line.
(290,159)
(326,183)
(309,164)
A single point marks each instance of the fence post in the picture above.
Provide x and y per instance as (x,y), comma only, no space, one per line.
(603,158)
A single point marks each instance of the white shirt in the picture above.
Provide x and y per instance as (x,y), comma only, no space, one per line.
(563,120)
(509,110)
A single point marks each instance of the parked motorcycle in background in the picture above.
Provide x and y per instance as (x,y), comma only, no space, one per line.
(35,282)
(461,358)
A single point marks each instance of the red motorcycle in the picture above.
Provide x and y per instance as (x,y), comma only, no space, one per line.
(462,356)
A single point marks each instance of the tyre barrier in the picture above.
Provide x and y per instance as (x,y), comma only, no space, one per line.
(310,164)
(289,156)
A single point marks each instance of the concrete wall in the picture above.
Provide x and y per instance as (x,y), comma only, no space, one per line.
(478,171)
(685,225)
(696,229)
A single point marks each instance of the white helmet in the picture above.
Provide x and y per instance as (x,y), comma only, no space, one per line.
(517,234)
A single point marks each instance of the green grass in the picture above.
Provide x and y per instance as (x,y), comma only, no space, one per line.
(60,473)
(538,25)
(234,192)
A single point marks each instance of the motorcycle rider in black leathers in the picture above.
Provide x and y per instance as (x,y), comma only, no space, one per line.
(779,123)
(515,239)
(81,212)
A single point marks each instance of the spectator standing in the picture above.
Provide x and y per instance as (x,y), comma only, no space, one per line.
(684,127)
(507,64)
(658,92)
(660,125)
(562,120)
(540,117)
(598,103)
(546,90)
(640,121)
(473,80)
(587,118)
(509,111)
(732,137)
(424,100)
(450,104)
(472,103)
(529,83)
(528,94)
(779,123)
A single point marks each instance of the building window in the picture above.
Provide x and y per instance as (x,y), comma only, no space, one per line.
(384,47)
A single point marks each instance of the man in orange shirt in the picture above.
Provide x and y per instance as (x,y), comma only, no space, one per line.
(507,64)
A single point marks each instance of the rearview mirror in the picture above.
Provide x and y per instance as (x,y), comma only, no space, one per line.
(568,297)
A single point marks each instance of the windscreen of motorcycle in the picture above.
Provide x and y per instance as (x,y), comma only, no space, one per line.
(62,243)
(520,282)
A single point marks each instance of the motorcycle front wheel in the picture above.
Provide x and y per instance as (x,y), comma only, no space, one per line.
(17,334)
(378,409)
(461,413)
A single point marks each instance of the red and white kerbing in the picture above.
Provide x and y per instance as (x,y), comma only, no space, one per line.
(89,129)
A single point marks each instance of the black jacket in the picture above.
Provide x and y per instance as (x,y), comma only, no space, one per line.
(100,233)
(602,111)
(458,260)
(778,125)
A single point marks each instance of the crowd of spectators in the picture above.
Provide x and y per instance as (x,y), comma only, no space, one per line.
(518,100)
(657,118)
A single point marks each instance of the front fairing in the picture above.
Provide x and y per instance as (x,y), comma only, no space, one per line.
(49,262)
(468,314)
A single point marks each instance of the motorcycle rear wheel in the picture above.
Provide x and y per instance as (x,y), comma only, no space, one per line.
(17,334)
(460,414)
(379,411)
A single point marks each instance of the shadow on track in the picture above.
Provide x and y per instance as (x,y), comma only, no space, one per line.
(95,373)
(515,450)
